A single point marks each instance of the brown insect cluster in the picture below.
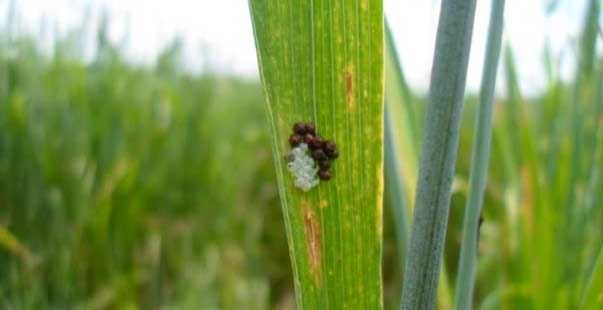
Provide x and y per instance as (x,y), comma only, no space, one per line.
(322,151)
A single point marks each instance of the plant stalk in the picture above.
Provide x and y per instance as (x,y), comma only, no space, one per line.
(465,280)
(438,154)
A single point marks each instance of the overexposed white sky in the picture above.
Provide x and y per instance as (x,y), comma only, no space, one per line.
(222,27)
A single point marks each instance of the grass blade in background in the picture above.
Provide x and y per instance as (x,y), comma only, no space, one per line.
(323,62)
(9,242)
(395,188)
(398,198)
(398,90)
(479,163)
(584,76)
(438,153)
(403,111)
(592,297)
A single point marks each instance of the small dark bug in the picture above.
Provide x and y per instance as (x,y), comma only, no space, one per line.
(329,146)
(295,140)
(324,164)
(332,154)
(310,128)
(299,128)
(319,154)
(324,175)
(308,139)
(316,143)
(479,226)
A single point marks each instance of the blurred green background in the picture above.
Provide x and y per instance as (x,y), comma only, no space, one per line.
(124,185)
(127,185)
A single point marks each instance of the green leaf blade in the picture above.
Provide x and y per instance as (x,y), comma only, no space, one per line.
(322,61)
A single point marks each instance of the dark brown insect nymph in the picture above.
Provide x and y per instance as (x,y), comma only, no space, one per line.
(299,128)
(324,175)
(295,140)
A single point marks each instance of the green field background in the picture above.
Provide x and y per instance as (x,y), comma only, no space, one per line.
(146,186)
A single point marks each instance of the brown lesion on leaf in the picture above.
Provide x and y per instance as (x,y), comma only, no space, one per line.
(349,87)
(313,242)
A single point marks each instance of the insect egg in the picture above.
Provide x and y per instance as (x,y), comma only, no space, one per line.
(329,146)
(299,128)
(316,143)
(309,139)
(310,128)
(324,175)
(324,164)
(332,154)
(319,154)
(330,149)
(295,140)
(302,167)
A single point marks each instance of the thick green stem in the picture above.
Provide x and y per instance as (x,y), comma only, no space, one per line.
(438,154)
(479,162)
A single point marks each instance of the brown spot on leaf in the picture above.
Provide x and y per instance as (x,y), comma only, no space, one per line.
(349,88)
(313,242)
